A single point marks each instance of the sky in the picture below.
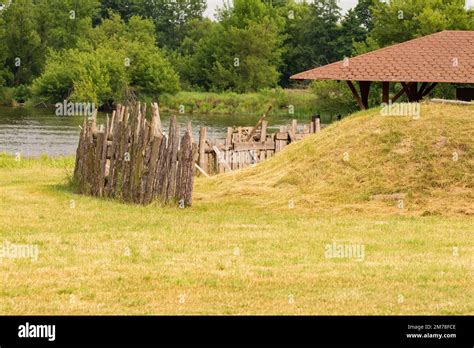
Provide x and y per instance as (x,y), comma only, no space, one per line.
(344,4)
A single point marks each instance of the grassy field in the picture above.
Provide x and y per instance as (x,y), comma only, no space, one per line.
(255,241)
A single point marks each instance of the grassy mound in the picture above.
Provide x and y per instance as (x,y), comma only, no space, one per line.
(368,162)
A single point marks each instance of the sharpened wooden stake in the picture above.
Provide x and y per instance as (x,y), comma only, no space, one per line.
(254,129)
(201,170)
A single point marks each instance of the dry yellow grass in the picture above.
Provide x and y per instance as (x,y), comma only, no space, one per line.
(430,160)
(242,249)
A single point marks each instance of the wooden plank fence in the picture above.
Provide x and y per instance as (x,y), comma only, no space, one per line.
(245,146)
(130,158)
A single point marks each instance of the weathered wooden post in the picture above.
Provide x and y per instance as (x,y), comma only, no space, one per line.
(202,162)
(316,121)
(263,132)
(228,139)
(185,179)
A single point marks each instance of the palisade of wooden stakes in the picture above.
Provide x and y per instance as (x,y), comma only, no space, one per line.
(131,159)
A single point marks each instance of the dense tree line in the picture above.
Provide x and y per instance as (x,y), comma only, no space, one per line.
(103,51)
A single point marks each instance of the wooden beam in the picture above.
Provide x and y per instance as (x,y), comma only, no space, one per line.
(259,123)
(422,89)
(201,170)
(269,145)
(411,90)
(355,94)
(385,92)
(364,92)
(414,92)
(403,90)
(429,89)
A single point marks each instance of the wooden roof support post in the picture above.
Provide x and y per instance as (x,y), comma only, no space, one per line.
(422,89)
(364,92)
(414,92)
(403,90)
(385,92)
(356,95)
(429,89)
(411,90)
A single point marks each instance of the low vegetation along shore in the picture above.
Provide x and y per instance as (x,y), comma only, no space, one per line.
(294,103)
(290,102)
(270,239)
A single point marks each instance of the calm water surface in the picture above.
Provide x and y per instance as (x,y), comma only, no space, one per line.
(33,132)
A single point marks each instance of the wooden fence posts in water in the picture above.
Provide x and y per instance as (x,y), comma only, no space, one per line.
(132,160)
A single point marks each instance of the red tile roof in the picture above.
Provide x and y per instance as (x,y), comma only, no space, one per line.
(447,56)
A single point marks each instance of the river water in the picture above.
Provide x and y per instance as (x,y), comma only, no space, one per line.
(33,132)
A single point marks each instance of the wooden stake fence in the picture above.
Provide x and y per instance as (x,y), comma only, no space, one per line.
(131,159)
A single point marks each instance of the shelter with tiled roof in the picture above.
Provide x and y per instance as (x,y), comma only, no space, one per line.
(418,64)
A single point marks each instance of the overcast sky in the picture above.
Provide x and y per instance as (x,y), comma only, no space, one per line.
(344,4)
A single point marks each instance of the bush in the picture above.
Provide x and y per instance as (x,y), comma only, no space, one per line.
(22,93)
(111,63)
(7,96)
(333,97)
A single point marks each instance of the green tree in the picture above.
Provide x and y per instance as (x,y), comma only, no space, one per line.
(352,31)
(116,58)
(193,55)
(363,12)
(62,23)
(314,36)
(402,20)
(244,51)
(21,42)
(277,3)
(4,73)
(170,18)
(356,26)
(125,8)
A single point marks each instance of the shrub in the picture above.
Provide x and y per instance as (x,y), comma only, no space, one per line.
(22,93)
